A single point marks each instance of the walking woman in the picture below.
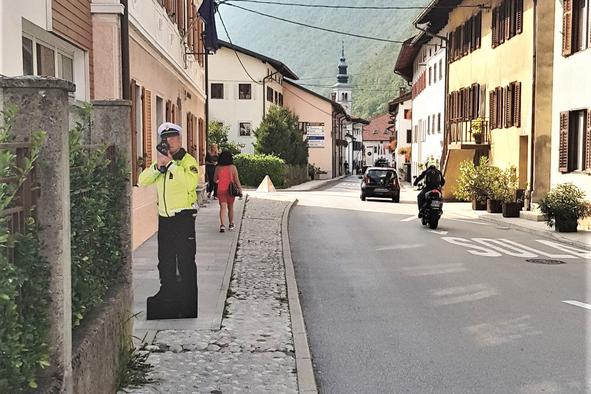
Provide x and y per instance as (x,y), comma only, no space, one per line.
(211,160)
(226,174)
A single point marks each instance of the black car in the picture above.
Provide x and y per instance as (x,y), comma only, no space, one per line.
(380,182)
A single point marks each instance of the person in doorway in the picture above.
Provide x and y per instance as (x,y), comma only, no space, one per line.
(211,160)
(225,175)
(176,176)
(433,180)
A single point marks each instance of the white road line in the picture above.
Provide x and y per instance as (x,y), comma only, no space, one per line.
(438,232)
(577,303)
(409,219)
(468,221)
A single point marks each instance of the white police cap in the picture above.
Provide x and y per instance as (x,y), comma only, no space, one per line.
(168,129)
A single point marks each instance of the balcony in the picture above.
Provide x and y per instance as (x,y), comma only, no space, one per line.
(460,135)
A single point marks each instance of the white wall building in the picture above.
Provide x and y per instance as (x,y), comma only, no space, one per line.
(401,112)
(571,113)
(422,62)
(376,140)
(240,100)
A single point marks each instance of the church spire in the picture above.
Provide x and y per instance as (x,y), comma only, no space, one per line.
(342,77)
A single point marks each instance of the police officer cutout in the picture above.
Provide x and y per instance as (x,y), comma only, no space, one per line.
(176,176)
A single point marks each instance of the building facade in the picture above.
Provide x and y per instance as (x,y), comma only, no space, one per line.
(377,138)
(241,96)
(49,38)
(400,110)
(571,104)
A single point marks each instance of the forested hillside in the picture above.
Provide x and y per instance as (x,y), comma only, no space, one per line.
(314,54)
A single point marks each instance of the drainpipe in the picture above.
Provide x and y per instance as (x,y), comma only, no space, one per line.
(125,87)
(443,160)
(532,148)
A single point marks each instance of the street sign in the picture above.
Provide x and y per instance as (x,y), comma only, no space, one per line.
(315,135)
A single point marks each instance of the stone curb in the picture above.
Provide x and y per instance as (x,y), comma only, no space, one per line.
(541,233)
(323,184)
(304,368)
(221,302)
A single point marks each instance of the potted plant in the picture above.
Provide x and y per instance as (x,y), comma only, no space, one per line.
(495,190)
(473,183)
(477,130)
(563,206)
(512,200)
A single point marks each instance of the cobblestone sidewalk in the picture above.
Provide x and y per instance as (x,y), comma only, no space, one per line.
(253,352)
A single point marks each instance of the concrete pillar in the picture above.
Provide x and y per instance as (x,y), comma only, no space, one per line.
(111,120)
(42,104)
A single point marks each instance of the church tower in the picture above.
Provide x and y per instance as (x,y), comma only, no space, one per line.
(342,90)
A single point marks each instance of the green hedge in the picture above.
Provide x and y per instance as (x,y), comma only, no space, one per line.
(97,184)
(24,283)
(252,169)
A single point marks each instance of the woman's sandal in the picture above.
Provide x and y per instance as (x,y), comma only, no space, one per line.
(231,227)
(222,229)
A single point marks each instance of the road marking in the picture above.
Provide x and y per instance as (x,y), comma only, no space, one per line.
(438,232)
(577,303)
(472,249)
(398,247)
(499,247)
(468,221)
(411,218)
(585,254)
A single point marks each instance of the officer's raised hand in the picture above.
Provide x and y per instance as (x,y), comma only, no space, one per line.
(164,160)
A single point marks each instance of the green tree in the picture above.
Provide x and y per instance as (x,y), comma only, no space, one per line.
(218,134)
(279,135)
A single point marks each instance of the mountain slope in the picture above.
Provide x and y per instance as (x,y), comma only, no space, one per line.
(314,55)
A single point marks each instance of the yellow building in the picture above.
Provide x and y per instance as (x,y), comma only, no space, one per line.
(491,53)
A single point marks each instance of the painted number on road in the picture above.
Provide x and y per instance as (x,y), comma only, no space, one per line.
(498,247)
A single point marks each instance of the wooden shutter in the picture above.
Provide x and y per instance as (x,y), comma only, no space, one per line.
(519,16)
(195,29)
(587,152)
(517,104)
(190,136)
(508,17)
(567,26)
(482,102)
(147,126)
(501,23)
(466,36)
(494,26)
(470,106)
(499,95)
(190,19)
(493,109)
(450,46)
(478,30)
(508,106)
(563,142)
(134,157)
(168,111)
(173,113)
(181,16)
(202,141)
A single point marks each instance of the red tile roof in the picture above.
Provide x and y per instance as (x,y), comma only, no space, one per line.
(376,130)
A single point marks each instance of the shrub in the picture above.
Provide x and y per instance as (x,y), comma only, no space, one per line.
(217,133)
(97,184)
(24,283)
(279,135)
(474,181)
(564,203)
(252,169)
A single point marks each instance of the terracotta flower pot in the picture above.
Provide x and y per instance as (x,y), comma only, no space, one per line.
(494,206)
(566,225)
(511,209)
(478,204)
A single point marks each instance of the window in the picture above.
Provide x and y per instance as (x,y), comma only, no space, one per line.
(333,96)
(245,129)
(433,124)
(465,104)
(507,21)
(217,91)
(276,98)
(575,26)
(440,69)
(280,99)
(439,122)
(45,61)
(430,75)
(575,141)
(66,68)
(28,56)
(505,106)
(409,136)
(435,73)
(244,91)
(429,124)
(159,111)
(466,38)
(270,94)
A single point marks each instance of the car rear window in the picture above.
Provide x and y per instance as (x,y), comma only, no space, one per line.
(377,175)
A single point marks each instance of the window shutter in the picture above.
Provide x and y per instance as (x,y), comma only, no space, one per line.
(588,142)
(493,109)
(147,126)
(134,169)
(508,106)
(482,102)
(190,21)
(495,37)
(499,95)
(202,141)
(501,23)
(180,16)
(519,16)
(507,19)
(190,138)
(517,104)
(567,25)
(470,106)
(168,111)
(478,30)
(563,141)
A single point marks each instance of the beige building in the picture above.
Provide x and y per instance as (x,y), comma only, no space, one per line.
(167,73)
(484,85)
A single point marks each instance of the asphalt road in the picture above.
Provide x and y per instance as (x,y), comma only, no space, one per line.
(392,307)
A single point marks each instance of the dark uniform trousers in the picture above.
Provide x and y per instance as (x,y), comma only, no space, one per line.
(176,249)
